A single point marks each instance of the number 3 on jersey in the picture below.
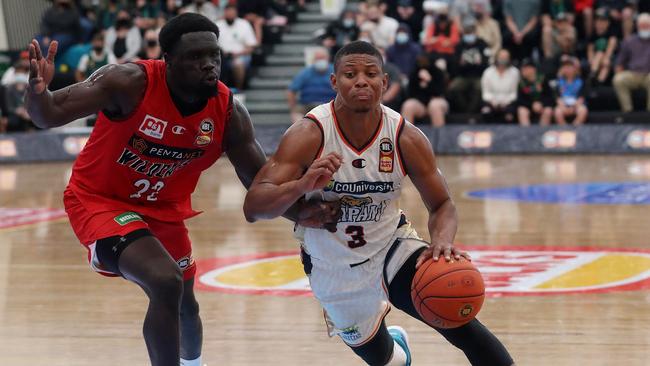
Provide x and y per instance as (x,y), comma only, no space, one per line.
(143,185)
(356,234)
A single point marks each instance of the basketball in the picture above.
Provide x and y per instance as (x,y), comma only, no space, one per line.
(447,294)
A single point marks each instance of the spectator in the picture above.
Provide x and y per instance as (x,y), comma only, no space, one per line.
(472,58)
(151,49)
(633,65)
(123,39)
(621,13)
(205,8)
(393,96)
(499,89)
(551,10)
(311,87)
(171,9)
(570,91)
(237,41)
(405,51)
(407,14)
(559,36)
(18,118)
(340,32)
(146,13)
(107,15)
(10,73)
(487,28)
(601,48)
(382,28)
(441,36)
(255,12)
(584,10)
(534,96)
(61,23)
(522,19)
(426,92)
(96,58)
(461,10)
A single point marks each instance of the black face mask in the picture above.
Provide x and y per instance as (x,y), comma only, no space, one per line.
(98,49)
(152,43)
(230,21)
(443,18)
(122,23)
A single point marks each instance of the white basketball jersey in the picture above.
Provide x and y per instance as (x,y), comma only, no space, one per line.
(368,184)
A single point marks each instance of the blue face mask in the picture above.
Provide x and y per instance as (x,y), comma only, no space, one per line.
(401,38)
(348,22)
(644,34)
(469,38)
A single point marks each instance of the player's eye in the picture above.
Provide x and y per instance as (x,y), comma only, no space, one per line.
(349,74)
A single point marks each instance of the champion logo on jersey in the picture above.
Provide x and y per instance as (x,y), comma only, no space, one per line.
(359,163)
(153,127)
(178,130)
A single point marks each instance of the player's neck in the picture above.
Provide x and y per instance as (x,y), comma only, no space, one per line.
(358,127)
(185,103)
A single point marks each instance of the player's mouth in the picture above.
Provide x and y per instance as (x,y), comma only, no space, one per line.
(211,78)
(363,96)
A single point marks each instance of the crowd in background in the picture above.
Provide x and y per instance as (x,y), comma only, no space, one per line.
(505,61)
(525,61)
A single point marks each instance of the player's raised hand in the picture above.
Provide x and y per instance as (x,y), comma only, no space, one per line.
(320,172)
(41,69)
(434,251)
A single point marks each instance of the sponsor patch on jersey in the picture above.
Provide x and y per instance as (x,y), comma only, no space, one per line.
(127,217)
(154,150)
(153,127)
(359,163)
(507,271)
(386,155)
(361,187)
(361,209)
(206,130)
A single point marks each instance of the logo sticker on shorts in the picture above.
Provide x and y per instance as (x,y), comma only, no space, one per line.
(127,217)
(185,262)
(351,334)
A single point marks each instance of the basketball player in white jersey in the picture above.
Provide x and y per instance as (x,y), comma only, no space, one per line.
(357,151)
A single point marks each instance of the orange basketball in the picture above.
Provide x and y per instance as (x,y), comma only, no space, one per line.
(447,294)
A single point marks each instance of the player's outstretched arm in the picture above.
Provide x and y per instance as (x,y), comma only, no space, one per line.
(290,173)
(114,88)
(420,164)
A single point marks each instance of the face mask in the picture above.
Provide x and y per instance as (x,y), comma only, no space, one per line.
(230,21)
(644,34)
(401,38)
(321,65)
(503,63)
(152,43)
(469,38)
(442,18)
(364,39)
(348,23)
(21,78)
(122,23)
(98,49)
(478,15)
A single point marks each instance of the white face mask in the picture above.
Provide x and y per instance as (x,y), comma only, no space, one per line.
(21,78)
(321,65)
(401,38)
(644,34)
(469,38)
(348,22)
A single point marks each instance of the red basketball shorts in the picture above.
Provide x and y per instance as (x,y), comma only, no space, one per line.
(91,227)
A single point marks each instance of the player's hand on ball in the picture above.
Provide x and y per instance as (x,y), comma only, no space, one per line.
(41,69)
(320,214)
(435,250)
(320,172)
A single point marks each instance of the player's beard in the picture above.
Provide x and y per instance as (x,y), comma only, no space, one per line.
(204,91)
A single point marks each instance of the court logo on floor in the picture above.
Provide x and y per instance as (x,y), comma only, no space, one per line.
(603,193)
(507,271)
(16,217)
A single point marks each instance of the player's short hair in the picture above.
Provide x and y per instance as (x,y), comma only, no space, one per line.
(355,48)
(171,33)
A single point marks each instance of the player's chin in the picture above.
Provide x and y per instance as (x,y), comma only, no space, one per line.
(208,88)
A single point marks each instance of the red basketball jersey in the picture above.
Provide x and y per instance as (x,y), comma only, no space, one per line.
(150,162)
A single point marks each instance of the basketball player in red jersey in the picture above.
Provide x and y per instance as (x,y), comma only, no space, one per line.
(160,124)
(358,151)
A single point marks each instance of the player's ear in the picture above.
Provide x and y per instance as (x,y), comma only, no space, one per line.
(333,82)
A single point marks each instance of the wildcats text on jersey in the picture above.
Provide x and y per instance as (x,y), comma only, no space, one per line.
(361,187)
(361,209)
(148,168)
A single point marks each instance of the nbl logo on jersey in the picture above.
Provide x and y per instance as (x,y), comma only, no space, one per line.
(153,127)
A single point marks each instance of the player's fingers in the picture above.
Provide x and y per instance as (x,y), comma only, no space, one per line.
(427,254)
(435,251)
(456,253)
(51,51)
(37,48)
(33,70)
(447,254)
(466,256)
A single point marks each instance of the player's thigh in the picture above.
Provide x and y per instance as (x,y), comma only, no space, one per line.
(174,237)
(146,262)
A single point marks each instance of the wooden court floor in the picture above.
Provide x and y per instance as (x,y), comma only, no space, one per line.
(55,311)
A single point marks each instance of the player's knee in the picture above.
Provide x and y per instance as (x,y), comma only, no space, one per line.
(189,308)
(166,285)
